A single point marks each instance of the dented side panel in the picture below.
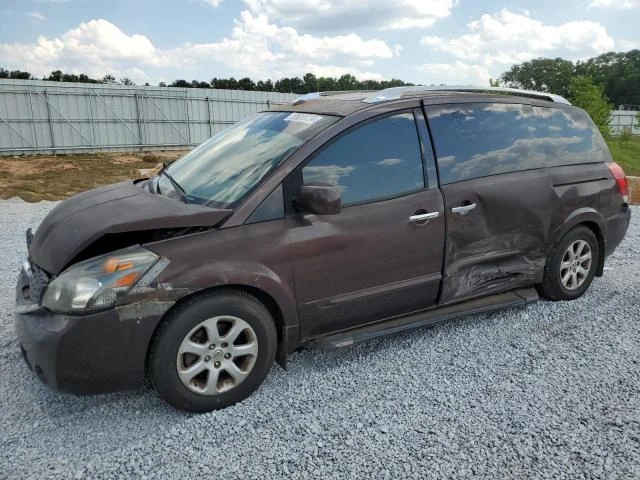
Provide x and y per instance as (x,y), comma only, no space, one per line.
(503,242)
(497,245)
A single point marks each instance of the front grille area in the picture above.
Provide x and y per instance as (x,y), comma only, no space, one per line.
(37,283)
(32,283)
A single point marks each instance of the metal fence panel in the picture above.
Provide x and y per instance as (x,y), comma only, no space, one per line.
(625,120)
(52,117)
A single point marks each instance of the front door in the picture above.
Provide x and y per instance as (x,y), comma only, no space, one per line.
(382,255)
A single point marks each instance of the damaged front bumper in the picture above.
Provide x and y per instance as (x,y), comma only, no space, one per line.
(94,353)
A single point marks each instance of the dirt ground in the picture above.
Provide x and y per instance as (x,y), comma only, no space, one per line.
(48,177)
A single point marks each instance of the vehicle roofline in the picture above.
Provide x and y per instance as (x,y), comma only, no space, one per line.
(433,97)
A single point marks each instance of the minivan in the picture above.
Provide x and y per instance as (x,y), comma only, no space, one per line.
(332,220)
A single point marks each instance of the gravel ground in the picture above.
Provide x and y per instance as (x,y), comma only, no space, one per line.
(549,390)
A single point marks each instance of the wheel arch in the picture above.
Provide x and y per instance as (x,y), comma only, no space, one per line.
(597,231)
(260,295)
(591,219)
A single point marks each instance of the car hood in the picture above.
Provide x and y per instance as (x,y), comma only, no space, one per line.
(79,221)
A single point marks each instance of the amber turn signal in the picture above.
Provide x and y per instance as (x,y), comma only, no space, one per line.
(113,264)
(126,281)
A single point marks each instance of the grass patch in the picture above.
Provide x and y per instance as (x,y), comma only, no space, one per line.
(625,150)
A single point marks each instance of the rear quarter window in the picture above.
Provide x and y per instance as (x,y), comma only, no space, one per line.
(478,140)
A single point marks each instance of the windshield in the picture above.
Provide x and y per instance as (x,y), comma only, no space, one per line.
(225,168)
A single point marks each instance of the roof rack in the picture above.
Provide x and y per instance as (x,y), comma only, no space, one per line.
(396,93)
(316,95)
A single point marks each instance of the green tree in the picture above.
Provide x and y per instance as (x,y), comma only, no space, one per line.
(290,85)
(310,83)
(55,76)
(590,97)
(246,84)
(264,86)
(199,84)
(618,73)
(327,84)
(180,83)
(542,74)
(20,75)
(348,82)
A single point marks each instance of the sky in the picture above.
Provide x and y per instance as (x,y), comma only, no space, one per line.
(451,42)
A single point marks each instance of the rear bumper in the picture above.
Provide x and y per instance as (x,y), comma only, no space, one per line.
(96,353)
(616,229)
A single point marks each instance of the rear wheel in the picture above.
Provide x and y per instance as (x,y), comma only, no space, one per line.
(212,351)
(571,266)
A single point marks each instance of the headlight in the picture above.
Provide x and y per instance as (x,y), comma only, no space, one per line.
(98,282)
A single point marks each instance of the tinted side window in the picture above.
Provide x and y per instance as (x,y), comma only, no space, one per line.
(477,140)
(570,137)
(377,160)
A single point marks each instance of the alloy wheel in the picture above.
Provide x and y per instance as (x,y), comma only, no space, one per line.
(575,265)
(217,355)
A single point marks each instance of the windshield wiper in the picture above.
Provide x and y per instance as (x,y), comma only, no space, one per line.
(176,185)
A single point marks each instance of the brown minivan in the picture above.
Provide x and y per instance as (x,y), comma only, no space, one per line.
(328,221)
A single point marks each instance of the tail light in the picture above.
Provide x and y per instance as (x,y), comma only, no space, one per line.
(621,180)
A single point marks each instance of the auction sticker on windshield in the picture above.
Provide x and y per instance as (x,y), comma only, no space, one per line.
(303,118)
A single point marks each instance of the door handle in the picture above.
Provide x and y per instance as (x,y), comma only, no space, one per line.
(464,209)
(423,216)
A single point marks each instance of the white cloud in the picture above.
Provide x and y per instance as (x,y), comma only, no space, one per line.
(494,42)
(213,3)
(455,73)
(506,38)
(329,71)
(617,4)
(389,162)
(339,14)
(256,48)
(36,16)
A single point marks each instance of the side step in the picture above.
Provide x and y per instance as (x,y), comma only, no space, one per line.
(427,318)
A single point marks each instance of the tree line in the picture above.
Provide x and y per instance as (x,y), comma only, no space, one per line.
(305,84)
(617,73)
(613,78)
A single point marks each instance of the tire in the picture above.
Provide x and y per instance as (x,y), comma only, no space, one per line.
(227,372)
(556,285)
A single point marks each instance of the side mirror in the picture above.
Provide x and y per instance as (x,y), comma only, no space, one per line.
(318,199)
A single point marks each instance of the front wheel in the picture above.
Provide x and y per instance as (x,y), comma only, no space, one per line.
(571,266)
(212,351)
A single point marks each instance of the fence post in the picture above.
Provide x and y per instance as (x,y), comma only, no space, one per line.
(53,140)
(186,105)
(91,119)
(33,120)
(209,117)
(138,119)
